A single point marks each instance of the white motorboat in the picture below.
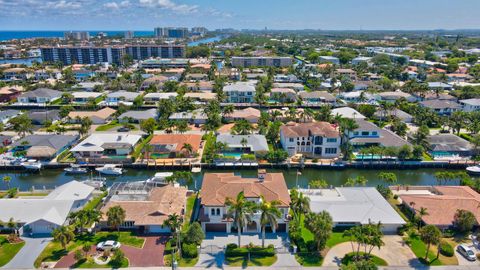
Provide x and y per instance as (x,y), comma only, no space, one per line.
(110,169)
(96,182)
(160,177)
(474,169)
(31,164)
(196,169)
(75,169)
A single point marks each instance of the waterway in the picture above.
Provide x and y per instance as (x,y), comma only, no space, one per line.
(205,41)
(21,61)
(8,35)
(51,178)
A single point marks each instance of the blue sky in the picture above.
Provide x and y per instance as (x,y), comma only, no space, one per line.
(253,14)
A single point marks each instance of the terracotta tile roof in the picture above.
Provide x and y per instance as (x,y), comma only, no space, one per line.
(217,187)
(442,206)
(161,202)
(247,113)
(177,141)
(103,113)
(323,129)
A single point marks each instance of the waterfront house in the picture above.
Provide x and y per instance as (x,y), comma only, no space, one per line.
(240,92)
(353,206)
(99,117)
(10,93)
(244,144)
(40,216)
(316,139)
(82,74)
(174,145)
(392,96)
(347,112)
(15,74)
(287,95)
(88,86)
(201,96)
(41,117)
(82,97)
(121,97)
(138,116)
(250,114)
(441,107)
(368,134)
(206,86)
(217,187)
(444,145)
(393,113)
(6,115)
(152,98)
(147,208)
(295,86)
(44,147)
(441,202)
(470,105)
(106,147)
(196,117)
(47,74)
(39,96)
(317,98)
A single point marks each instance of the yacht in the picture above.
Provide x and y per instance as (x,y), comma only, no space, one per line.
(474,170)
(31,164)
(109,169)
(196,168)
(160,177)
(75,169)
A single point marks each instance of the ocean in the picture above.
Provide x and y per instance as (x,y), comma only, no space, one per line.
(8,35)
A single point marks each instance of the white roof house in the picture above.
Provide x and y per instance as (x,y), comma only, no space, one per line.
(43,215)
(95,141)
(354,205)
(347,112)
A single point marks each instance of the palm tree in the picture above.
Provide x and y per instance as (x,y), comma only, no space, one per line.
(116,217)
(228,110)
(84,217)
(64,235)
(421,213)
(430,235)
(7,179)
(244,143)
(241,211)
(269,213)
(299,204)
(188,148)
(242,127)
(174,222)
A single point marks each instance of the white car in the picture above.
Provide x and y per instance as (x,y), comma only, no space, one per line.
(110,245)
(466,252)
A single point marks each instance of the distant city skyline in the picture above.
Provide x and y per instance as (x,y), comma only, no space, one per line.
(246,14)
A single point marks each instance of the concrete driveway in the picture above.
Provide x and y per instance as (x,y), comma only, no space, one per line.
(462,260)
(29,253)
(223,239)
(395,252)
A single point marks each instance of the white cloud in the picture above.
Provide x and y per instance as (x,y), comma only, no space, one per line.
(169,5)
(115,5)
(63,4)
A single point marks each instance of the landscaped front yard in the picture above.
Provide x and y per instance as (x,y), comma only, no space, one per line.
(250,256)
(8,250)
(54,251)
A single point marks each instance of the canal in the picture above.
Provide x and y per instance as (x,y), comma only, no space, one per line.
(336,177)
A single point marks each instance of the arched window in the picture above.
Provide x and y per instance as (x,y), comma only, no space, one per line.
(218,211)
(213,212)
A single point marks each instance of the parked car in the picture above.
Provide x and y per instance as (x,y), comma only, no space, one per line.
(123,129)
(466,252)
(109,245)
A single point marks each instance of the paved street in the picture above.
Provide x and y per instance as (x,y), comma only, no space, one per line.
(28,254)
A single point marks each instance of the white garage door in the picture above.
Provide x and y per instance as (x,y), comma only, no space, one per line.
(42,227)
(158,229)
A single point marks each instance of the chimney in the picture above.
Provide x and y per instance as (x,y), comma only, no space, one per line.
(261,174)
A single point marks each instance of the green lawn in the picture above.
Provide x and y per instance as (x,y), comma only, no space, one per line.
(254,261)
(349,258)
(182,262)
(8,250)
(95,202)
(106,127)
(90,263)
(189,210)
(53,251)
(138,149)
(419,249)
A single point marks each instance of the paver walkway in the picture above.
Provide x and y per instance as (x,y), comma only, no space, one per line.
(395,253)
(149,256)
(28,254)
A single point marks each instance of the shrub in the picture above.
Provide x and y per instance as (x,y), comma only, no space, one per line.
(231,246)
(78,255)
(315,160)
(395,197)
(189,250)
(446,249)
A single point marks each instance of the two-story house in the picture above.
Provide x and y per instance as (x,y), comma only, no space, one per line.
(240,92)
(316,139)
(470,105)
(441,107)
(217,188)
(368,134)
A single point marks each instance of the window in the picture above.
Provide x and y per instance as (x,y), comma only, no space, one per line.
(364,133)
(374,133)
(218,211)
(330,150)
(213,212)
(355,133)
(331,140)
(290,140)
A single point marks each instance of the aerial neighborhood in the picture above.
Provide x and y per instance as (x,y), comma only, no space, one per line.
(189,147)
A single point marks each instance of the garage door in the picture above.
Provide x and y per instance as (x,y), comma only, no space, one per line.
(218,227)
(282,227)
